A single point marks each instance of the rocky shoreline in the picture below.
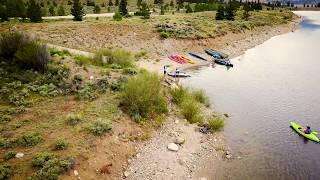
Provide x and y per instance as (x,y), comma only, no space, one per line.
(178,149)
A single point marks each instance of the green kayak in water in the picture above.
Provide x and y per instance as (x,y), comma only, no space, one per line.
(300,130)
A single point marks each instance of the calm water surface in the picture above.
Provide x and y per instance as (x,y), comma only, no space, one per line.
(270,85)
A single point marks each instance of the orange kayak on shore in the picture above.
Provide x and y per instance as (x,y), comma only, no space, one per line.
(187,60)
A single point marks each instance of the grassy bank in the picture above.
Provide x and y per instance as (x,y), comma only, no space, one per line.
(56,111)
(53,109)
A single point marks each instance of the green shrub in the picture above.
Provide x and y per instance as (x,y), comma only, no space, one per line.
(87,93)
(100,127)
(143,95)
(200,96)
(9,155)
(140,54)
(77,80)
(10,43)
(60,145)
(164,35)
(117,16)
(82,60)
(130,71)
(73,119)
(102,83)
(191,110)
(49,166)
(178,94)
(5,118)
(33,55)
(118,57)
(17,99)
(5,172)
(7,143)
(63,53)
(116,86)
(216,123)
(121,57)
(30,139)
(98,58)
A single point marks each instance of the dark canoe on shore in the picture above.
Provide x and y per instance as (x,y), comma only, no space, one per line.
(198,56)
(225,62)
(216,54)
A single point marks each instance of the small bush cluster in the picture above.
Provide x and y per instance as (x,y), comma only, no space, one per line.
(143,96)
(82,60)
(216,123)
(191,110)
(30,139)
(5,118)
(118,57)
(140,54)
(18,85)
(19,49)
(8,143)
(117,16)
(164,35)
(200,96)
(63,53)
(87,92)
(49,166)
(100,127)
(9,155)
(60,144)
(73,119)
(5,172)
(190,102)
(130,71)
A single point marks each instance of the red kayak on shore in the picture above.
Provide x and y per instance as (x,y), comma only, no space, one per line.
(177,59)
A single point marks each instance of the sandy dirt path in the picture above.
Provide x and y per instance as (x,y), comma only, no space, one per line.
(87,15)
(155,161)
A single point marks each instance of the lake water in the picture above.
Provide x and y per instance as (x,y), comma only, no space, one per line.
(269,86)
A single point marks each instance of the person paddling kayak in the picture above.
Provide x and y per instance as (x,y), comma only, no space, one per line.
(308,130)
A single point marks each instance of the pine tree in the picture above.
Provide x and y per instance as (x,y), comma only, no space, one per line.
(117,3)
(110,3)
(220,12)
(11,8)
(34,11)
(3,13)
(123,8)
(21,9)
(162,10)
(52,12)
(230,12)
(188,8)
(172,3)
(139,2)
(96,9)
(145,11)
(246,9)
(61,11)
(77,10)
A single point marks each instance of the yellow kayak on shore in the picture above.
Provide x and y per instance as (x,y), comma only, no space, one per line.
(188,60)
